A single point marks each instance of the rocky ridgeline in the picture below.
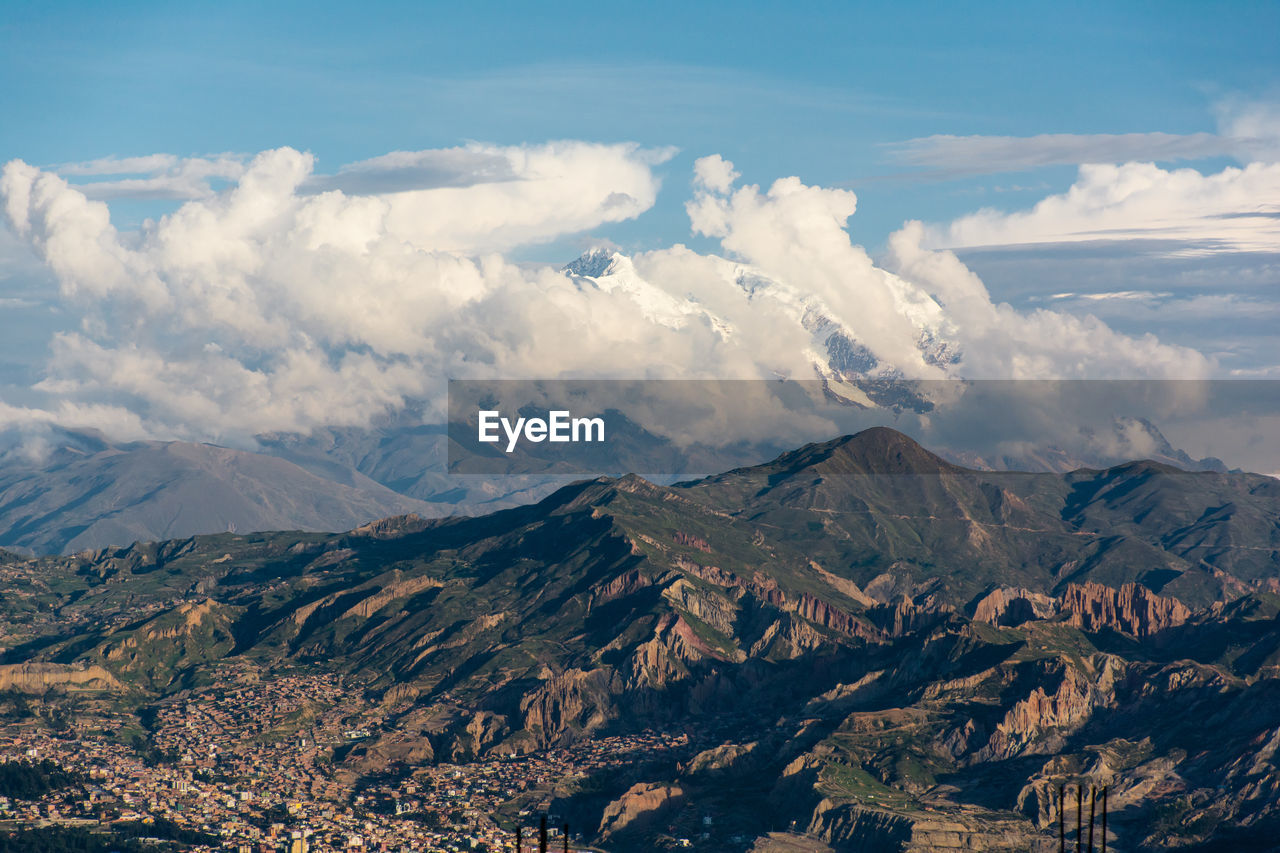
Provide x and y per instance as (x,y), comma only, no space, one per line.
(40,677)
(642,804)
(1132,609)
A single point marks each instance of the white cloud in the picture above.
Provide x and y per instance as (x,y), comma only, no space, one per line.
(1000,342)
(714,174)
(154,176)
(326,308)
(1253,125)
(276,304)
(980,155)
(1248,131)
(1115,295)
(1236,209)
(149,164)
(797,233)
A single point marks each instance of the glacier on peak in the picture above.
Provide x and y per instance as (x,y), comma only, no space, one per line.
(835,351)
(592,263)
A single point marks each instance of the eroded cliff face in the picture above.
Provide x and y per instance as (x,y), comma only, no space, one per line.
(1133,609)
(848,827)
(40,677)
(1059,712)
(641,805)
(575,701)
(1014,606)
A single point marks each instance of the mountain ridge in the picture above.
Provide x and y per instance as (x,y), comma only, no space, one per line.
(903,661)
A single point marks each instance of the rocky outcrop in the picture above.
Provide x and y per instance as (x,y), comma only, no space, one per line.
(1012,606)
(720,758)
(1133,609)
(396,525)
(843,585)
(625,584)
(903,616)
(710,574)
(573,702)
(690,541)
(666,656)
(851,827)
(377,597)
(815,609)
(1065,708)
(483,731)
(827,615)
(638,807)
(39,677)
(787,637)
(396,589)
(707,607)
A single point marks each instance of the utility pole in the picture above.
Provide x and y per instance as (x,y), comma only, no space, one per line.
(1079,817)
(1104,819)
(542,835)
(1062,819)
(1093,802)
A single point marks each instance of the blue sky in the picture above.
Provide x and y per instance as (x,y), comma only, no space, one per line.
(818,90)
(312,204)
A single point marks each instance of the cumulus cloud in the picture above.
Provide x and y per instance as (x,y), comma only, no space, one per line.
(798,233)
(1001,342)
(714,174)
(1235,209)
(266,306)
(286,301)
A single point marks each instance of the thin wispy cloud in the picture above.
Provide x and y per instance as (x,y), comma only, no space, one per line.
(154,177)
(167,177)
(954,156)
(1248,131)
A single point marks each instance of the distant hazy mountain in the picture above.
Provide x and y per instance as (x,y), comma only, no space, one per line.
(1050,458)
(90,493)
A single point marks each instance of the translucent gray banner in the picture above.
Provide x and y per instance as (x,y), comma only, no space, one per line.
(667,430)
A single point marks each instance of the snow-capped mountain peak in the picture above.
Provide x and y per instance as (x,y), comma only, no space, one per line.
(732,291)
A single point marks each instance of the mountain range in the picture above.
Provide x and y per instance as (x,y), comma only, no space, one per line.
(89,492)
(873,648)
(83,490)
